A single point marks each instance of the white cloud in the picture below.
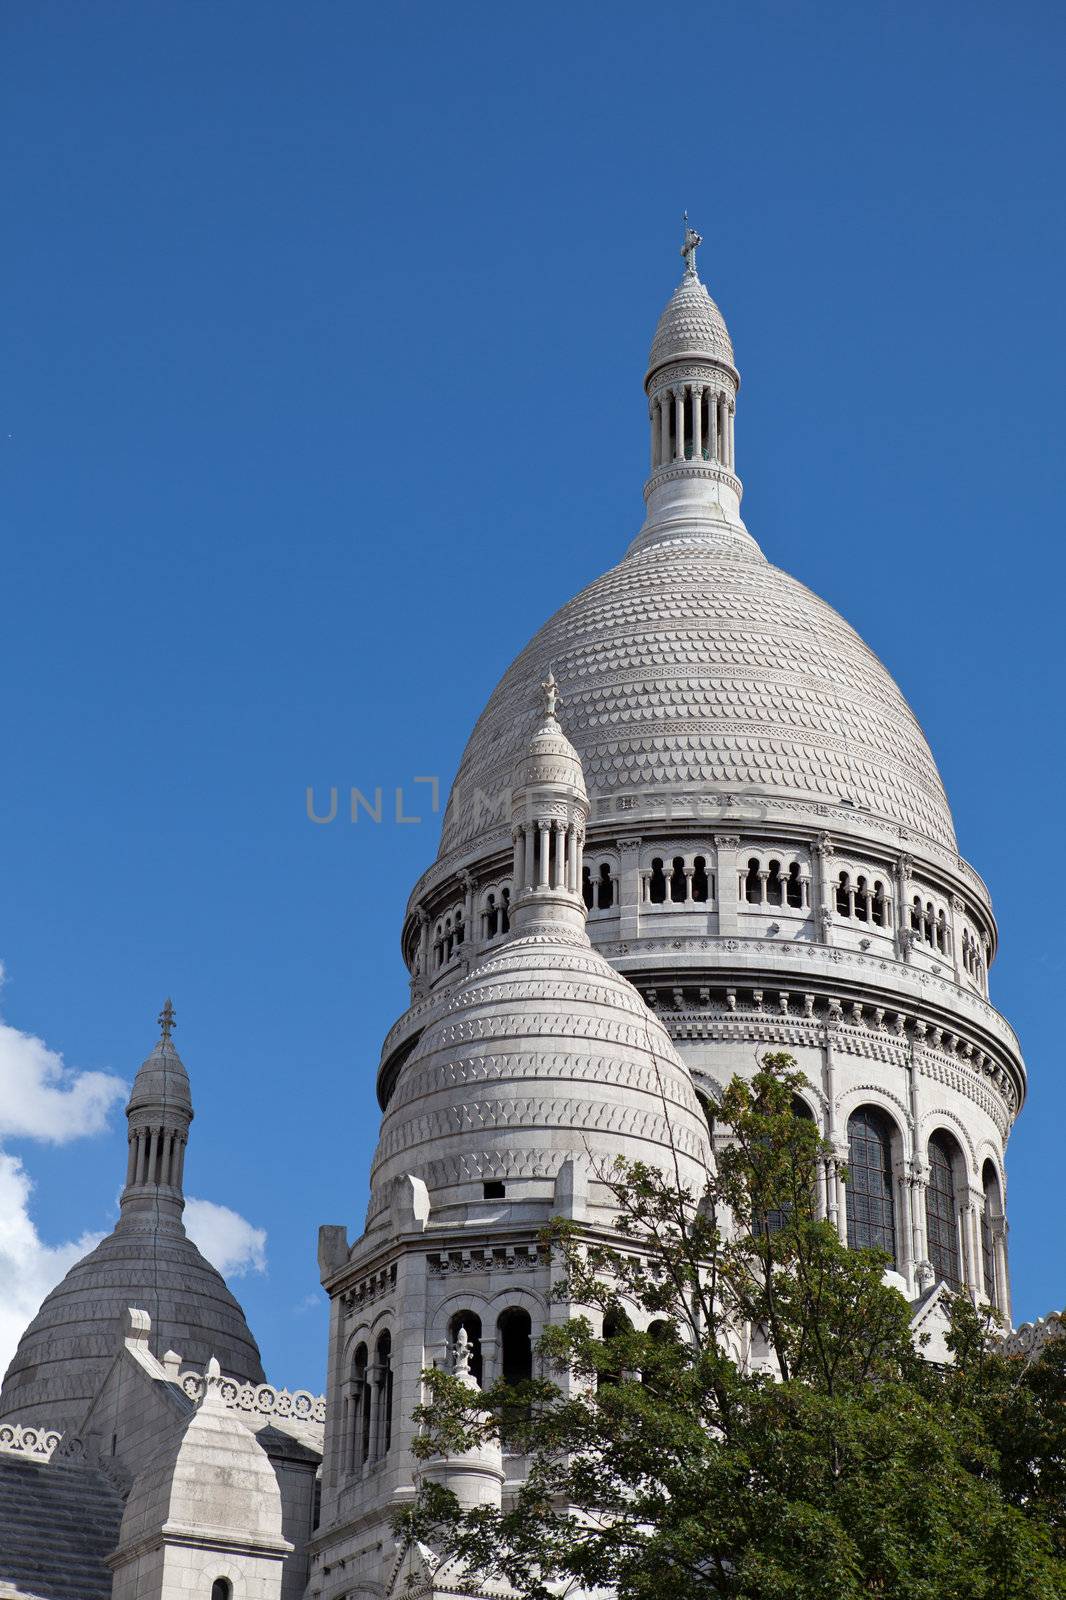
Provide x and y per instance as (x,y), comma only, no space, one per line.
(41,1098)
(228,1240)
(29,1268)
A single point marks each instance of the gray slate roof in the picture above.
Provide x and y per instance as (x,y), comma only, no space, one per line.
(57,1523)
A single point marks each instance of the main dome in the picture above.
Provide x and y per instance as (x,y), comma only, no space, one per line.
(696,666)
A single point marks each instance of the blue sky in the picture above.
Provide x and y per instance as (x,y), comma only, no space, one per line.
(324,334)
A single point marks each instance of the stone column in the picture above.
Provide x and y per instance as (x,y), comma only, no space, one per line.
(972,1207)
(654,420)
(544,829)
(999,1253)
(664,420)
(712,425)
(559,839)
(903,869)
(697,422)
(955,927)
(904,1241)
(727,845)
(679,422)
(518,838)
(723,432)
(822,851)
(731,411)
(628,888)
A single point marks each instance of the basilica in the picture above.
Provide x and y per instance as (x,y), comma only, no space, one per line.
(696,821)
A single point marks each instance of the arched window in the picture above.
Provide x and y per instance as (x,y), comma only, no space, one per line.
(777,1218)
(677,879)
(844,895)
(878,908)
(587,892)
(871,1216)
(773,884)
(472,1323)
(222,1589)
(794,887)
(753,883)
(360,1408)
(505,911)
(862,899)
(700,881)
(916,914)
(515,1332)
(990,1212)
(941,1217)
(657,883)
(383,1396)
(492,916)
(614,1324)
(515,1329)
(604,888)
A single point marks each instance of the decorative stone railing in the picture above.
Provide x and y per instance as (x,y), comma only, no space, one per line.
(37,1443)
(1030,1339)
(261,1399)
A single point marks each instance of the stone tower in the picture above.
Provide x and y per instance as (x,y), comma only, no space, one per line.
(538,1068)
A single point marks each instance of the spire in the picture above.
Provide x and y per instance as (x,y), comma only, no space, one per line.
(158,1114)
(549,812)
(693,492)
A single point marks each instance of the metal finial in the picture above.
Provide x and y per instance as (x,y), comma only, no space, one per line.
(688,249)
(166,1018)
(551,693)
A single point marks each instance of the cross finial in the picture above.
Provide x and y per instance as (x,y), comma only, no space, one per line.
(551,693)
(688,249)
(166,1018)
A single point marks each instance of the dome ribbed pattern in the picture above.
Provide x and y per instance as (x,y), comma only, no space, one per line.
(65,1353)
(543,1052)
(691,327)
(689,668)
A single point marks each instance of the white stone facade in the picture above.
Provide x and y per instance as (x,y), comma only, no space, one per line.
(769,859)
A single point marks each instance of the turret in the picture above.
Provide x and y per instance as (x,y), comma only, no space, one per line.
(549,814)
(158,1114)
(692,383)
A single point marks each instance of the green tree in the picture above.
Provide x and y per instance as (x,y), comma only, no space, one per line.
(661,1466)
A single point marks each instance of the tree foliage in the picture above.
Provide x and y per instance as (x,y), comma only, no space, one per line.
(661,1462)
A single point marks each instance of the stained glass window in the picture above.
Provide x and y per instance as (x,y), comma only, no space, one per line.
(871,1216)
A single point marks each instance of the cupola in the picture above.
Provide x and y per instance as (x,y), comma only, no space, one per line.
(692,384)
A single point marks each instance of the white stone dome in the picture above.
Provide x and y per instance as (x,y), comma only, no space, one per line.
(542,1053)
(697,666)
(691,328)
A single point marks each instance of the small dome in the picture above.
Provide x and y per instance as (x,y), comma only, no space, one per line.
(691,329)
(67,1350)
(161,1081)
(147,1263)
(543,1053)
(550,760)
